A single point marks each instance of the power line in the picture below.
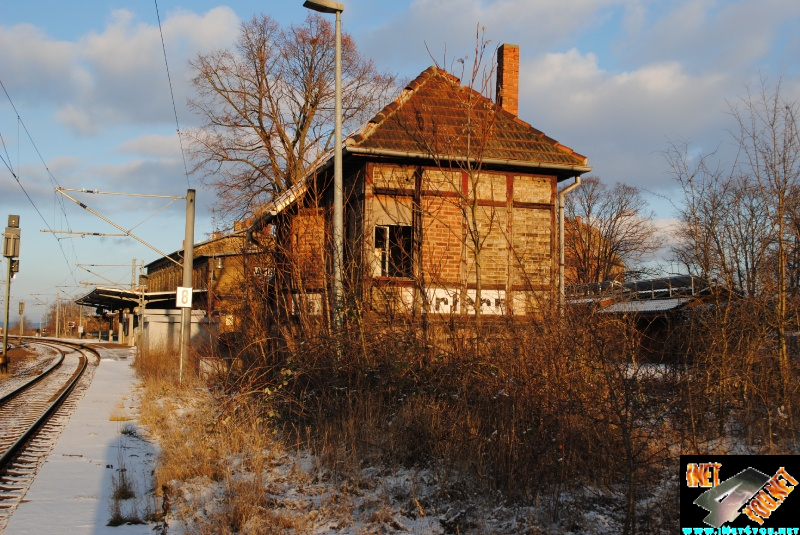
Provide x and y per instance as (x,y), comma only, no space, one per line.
(63,253)
(19,182)
(115,225)
(172,94)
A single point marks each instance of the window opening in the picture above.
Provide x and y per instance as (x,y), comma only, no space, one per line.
(393,251)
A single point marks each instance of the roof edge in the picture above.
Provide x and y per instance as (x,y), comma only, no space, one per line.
(388,110)
(578,169)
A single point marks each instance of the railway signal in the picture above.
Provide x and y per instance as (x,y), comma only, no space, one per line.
(11,253)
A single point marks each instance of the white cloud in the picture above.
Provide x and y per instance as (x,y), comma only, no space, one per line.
(35,67)
(622,120)
(705,34)
(76,119)
(446,29)
(153,145)
(114,76)
(581,91)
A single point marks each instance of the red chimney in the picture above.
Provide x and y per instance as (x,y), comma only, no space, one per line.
(508,77)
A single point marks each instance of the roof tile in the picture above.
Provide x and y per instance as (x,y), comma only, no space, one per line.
(436,115)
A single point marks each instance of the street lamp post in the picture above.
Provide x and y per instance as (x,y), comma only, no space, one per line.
(328,6)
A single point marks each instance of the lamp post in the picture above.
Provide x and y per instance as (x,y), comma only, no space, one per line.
(328,6)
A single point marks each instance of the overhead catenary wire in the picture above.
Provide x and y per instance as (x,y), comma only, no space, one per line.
(52,178)
(172,95)
(98,192)
(113,283)
(36,208)
(118,227)
(86,233)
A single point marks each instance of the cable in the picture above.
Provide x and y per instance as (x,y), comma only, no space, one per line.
(50,175)
(10,170)
(5,149)
(174,108)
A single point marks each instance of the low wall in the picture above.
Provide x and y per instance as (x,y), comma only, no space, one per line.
(162,331)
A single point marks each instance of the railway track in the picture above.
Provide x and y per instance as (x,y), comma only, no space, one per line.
(33,415)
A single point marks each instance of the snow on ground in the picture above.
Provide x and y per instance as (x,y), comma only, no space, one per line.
(37,358)
(72,494)
(72,491)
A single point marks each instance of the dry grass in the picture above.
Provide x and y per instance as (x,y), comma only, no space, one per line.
(157,365)
(516,410)
(230,448)
(119,414)
(492,412)
(526,412)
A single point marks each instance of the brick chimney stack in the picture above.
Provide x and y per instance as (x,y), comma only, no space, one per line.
(508,77)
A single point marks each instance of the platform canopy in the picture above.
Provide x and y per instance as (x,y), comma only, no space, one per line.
(118,299)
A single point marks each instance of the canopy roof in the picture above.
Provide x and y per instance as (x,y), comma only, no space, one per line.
(118,299)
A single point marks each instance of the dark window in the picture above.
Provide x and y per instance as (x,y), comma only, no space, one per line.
(393,251)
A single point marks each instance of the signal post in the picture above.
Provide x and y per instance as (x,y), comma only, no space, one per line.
(11,253)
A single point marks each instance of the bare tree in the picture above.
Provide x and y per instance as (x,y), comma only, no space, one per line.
(268,104)
(738,226)
(479,221)
(724,233)
(769,139)
(608,231)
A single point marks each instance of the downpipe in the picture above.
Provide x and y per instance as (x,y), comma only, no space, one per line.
(562,299)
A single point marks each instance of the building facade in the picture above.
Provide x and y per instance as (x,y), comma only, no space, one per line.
(450,207)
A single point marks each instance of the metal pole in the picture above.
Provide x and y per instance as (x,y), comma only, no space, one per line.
(141,320)
(21,317)
(5,359)
(10,251)
(338,194)
(58,302)
(188,261)
(142,290)
(330,6)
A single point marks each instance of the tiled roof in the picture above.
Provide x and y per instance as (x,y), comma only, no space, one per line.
(434,115)
(429,119)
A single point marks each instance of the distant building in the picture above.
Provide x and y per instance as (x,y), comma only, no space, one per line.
(656,306)
(225,270)
(224,266)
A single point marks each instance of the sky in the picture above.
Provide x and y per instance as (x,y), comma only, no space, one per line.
(87,102)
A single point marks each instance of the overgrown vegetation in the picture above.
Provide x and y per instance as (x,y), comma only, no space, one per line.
(534,412)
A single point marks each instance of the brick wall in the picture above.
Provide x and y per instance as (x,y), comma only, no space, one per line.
(515,224)
(307,259)
(494,244)
(515,218)
(442,243)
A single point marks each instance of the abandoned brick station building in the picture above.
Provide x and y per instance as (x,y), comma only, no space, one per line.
(439,173)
